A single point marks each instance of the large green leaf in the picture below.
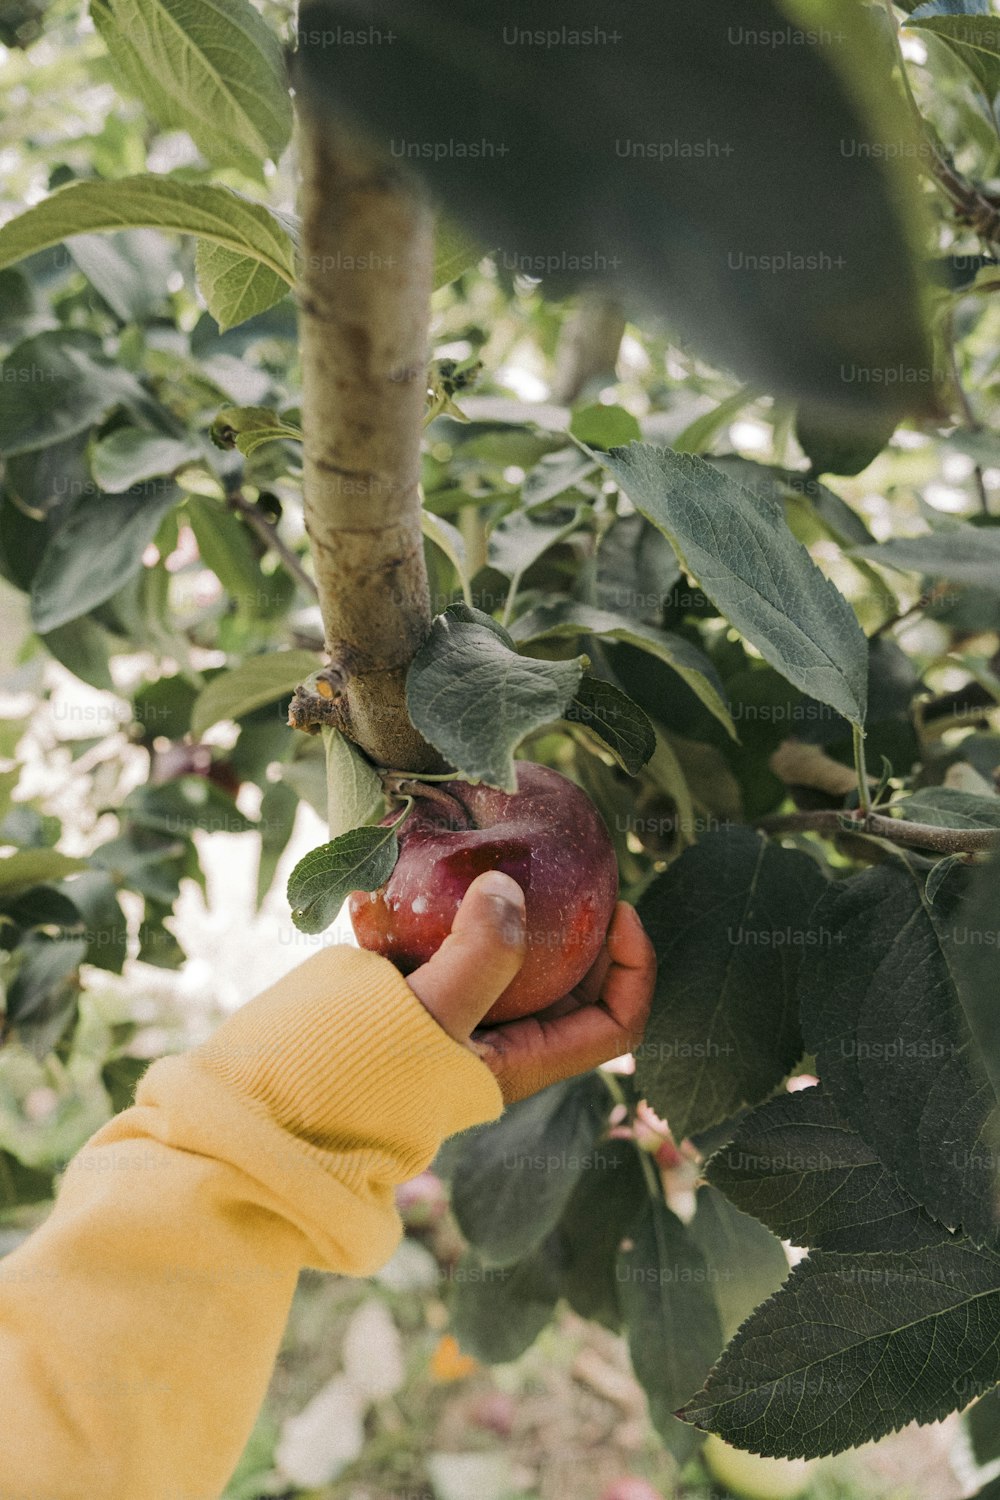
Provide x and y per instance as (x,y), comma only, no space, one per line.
(602,1210)
(257,681)
(670,1313)
(947,807)
(967,554)
(211,67)
(249,234)
(474,698)
(97,548)
(797,1167)
(882,1010)
(738,546)
(658,159)
(921,1329)
(730,921)
(568,618)
(514,1178)
(55,385)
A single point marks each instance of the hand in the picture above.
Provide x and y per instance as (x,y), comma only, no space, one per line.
(604,1017)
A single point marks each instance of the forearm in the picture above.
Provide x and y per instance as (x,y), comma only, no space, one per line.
(139,1326)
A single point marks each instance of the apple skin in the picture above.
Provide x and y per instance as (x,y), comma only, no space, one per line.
(548,835)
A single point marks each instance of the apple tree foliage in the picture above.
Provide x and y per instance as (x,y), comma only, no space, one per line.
(746,592)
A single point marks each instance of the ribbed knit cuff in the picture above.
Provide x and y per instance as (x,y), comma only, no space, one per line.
(326,1091)
(341,1051)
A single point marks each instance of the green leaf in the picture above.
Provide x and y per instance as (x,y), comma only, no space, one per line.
(235,286)
(52,386)
(982,1423)
(797,1167)
(257,681)
(568,618)
(738,546)
(975,938)
(361,860)
(105,930)
(214,69)
(449,540)
(278,808)
(699,435)
(620,725)
(353,788)
(250,427)
(97,548)
(945,807)
(149,200)
(605,426)
(922,1328)
(514,1178)
(746,1263)
(178,807)
(131,270)
(497,1312)
(19,872)
(454,252)
(520,539)
(128,456)
(730,921)
(674,1332)
(842,445)
(973,38)
(475,699)
(225,545)
(814,294)
(601,1212)
(882,1010)
(967,554)
(83,648)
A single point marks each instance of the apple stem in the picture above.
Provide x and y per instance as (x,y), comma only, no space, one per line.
(457,815)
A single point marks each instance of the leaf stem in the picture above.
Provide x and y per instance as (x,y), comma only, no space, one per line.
(268,533)
(654,1182)
(864,789)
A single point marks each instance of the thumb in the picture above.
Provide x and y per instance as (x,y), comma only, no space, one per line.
(479,957)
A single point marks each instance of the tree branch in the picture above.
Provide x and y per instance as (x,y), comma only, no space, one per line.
(269,535)
(896,830)
(364,309)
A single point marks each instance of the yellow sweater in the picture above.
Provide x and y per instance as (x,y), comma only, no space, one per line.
(140,1323)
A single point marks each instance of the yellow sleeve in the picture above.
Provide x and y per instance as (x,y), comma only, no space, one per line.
(139,1325)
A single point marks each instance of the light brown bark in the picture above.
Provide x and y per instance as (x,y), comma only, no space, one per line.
(365,286)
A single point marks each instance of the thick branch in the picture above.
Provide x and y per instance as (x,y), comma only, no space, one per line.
(896,830)
(367,257)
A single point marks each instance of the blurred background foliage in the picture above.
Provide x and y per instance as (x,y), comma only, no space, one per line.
(142,892)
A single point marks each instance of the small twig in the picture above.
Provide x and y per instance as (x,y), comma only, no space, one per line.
(877,825)
(970,421)
(924,602)
(268,533)
(861,771)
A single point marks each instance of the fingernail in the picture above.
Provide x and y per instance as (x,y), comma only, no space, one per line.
(502,887)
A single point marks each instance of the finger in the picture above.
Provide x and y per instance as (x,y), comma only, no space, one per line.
(479,957)
(528,1055)
(627,991)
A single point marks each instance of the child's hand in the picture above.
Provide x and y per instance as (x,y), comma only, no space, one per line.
(604,1016)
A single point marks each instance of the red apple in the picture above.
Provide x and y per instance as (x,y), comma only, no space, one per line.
(548,835)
